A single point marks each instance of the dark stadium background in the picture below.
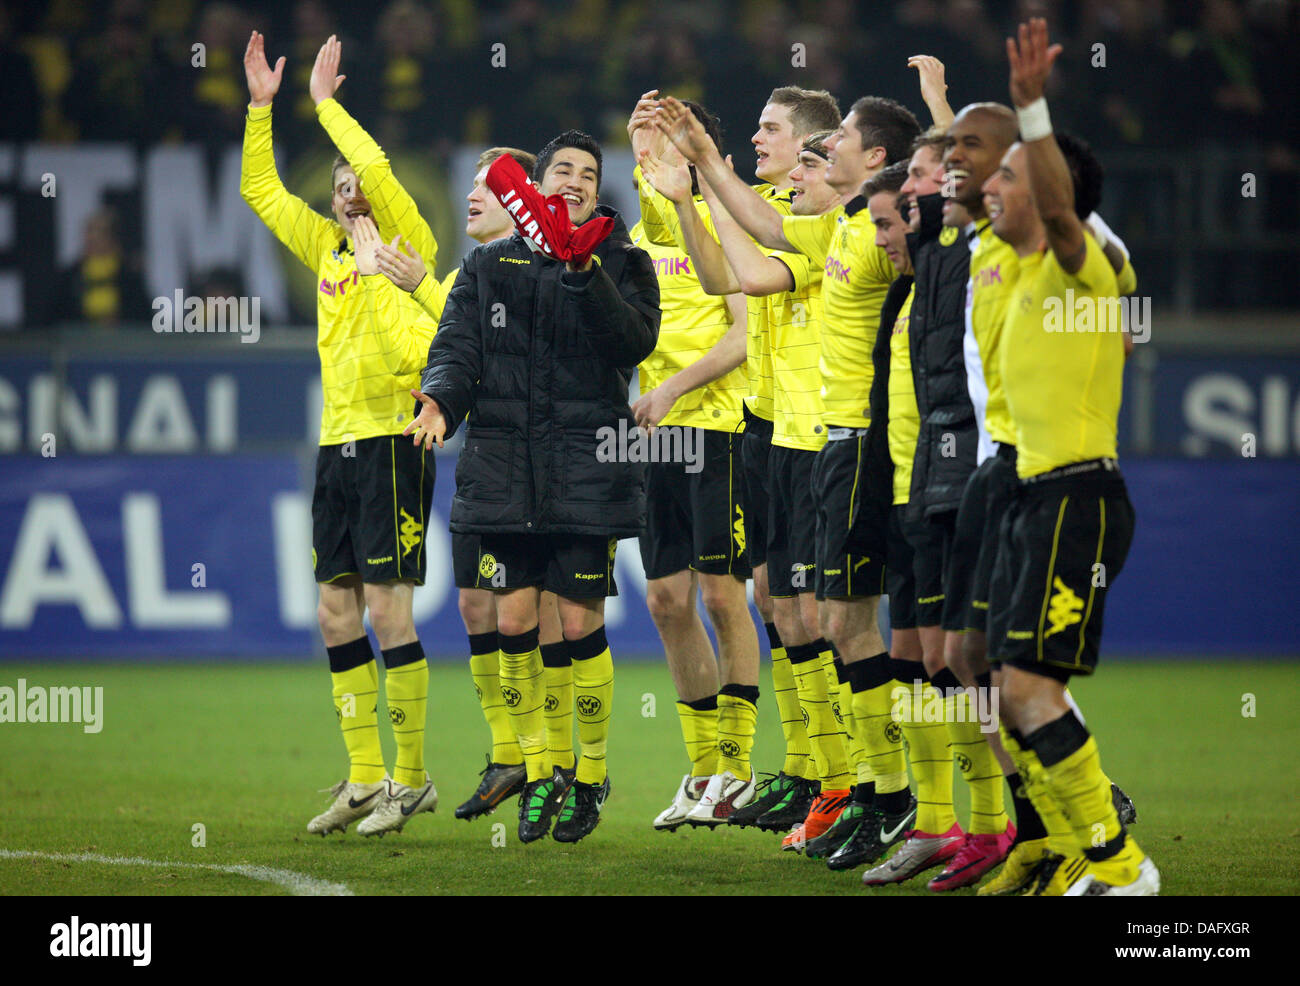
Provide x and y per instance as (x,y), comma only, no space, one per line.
(118,152)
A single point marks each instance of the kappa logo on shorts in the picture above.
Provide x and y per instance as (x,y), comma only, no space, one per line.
(1066,607)
(729,748)
(511,695)
(396,715)
(487,566)
(588,706)
(412,529)
(738,529)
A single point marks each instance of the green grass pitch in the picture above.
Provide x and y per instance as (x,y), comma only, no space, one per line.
(242,750)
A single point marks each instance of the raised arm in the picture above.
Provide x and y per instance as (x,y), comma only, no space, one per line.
(691,232)
(933,88)
(757,273)
(621,318)
(759,219)
(1049,176)
(306,233)
(394,210)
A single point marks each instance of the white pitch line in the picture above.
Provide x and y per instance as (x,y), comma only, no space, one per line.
(298,884)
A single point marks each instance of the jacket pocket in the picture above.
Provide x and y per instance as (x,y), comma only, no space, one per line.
(485,468)
(597,471)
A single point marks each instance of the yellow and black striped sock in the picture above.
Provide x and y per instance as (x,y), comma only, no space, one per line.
(928,750)
(484,668)
(737,722)
(872,683)
(1060,836)
(842,706)
(523,686)
(824,734)
(699,719)
(593,688)
(798,753)
(559,703)
(356,701)
(406,689)
(1071,769)
(979,767)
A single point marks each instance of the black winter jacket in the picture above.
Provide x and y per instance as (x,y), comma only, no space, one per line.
(949,439)
(543,357)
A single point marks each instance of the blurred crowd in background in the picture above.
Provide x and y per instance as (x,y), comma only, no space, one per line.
(426,76)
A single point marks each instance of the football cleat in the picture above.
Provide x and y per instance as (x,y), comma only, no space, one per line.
(1124,808)
(769,792)
(351,801)
(826,807)
(580,813)
(1147,884)
(919,852)
(839,833)
(724,793)
(1019,870)
(978,855)
(500,781)
(687,797)
(1056,874)
(791,808)
(398,804)
(538,804)
(870,840)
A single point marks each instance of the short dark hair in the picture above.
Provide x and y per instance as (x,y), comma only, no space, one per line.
(1085,171)
(936,138)
(526,160)
(712,126)
(891,179)
(888,124)
(811,110)
(339,162)
(570,138)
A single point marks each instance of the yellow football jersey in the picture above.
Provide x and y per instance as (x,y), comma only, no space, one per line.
(904,418)
(1063,361)
(368,366)
(856,275)
(994,269)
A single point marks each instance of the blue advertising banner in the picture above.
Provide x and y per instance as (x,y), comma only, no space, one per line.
(170,557)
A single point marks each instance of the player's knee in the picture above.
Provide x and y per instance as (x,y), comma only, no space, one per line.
(668,606)
(477,610)
(724,600)
(832,624)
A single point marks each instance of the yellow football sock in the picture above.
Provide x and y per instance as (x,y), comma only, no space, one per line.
(737,721)
(356,699)
(859,765)
(593,688)
(1060,837)
(931,760)
(699,721)
(406,689)
(523,686)
(827,740)
(484,668)
(974,758)
(559,704)
(798,752)
(873,716)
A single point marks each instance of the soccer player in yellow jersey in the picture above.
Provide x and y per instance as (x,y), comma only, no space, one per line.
(692,390)
(1070,520)
(790,114)
(856,276)
(373,492)
(486,220)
